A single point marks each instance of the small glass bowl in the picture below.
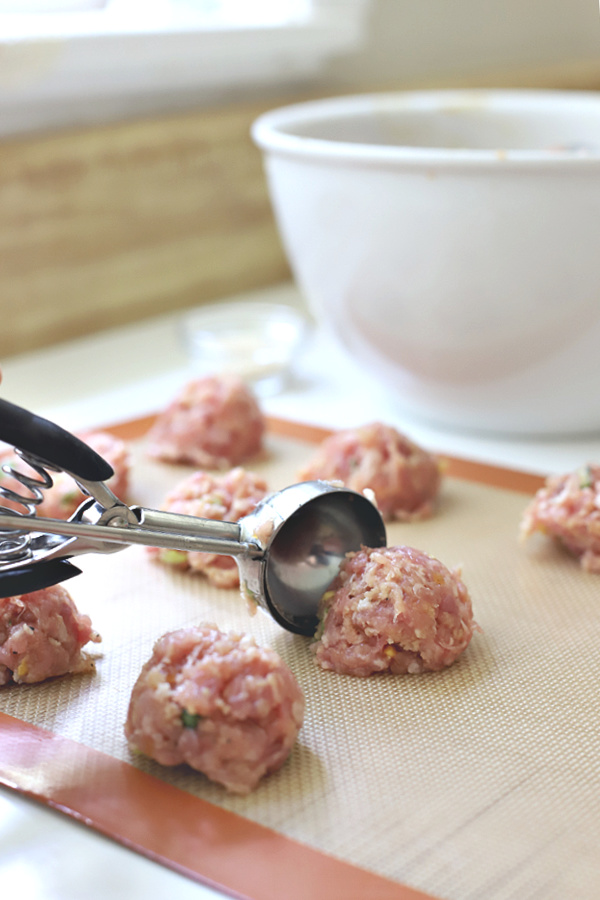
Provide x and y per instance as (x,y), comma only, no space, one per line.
(257,341)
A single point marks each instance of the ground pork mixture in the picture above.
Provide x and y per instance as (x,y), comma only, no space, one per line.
(226,497)
(393,609)
(567,508)
(218,702)
(404,478)
(62,499)
(214,423)
(42,635)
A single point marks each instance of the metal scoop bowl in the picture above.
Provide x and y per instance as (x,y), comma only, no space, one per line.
(305,530)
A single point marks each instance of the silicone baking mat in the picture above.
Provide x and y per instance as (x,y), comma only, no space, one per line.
(481,781)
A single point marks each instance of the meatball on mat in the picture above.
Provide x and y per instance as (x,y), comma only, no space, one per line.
(480,780)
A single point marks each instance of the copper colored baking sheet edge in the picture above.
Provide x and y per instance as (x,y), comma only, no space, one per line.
(169,826)
(492,475)
(185,833)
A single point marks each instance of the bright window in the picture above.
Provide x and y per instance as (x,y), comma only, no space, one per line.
(29,18)
(66,62)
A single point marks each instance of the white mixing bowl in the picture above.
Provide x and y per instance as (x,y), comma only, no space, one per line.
(451,240)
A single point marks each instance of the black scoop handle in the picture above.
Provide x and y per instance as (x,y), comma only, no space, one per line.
(51,443)
(35,577)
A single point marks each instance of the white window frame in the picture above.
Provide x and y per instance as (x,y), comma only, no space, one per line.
(49,79)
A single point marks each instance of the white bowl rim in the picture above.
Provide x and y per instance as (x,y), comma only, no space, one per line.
(267,133)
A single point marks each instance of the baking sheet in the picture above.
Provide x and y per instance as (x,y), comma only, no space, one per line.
(479,781)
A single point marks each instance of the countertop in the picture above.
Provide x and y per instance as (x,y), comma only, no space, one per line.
(135,370)
(119,375)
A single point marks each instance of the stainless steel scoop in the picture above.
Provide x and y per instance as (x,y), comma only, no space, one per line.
(288,550)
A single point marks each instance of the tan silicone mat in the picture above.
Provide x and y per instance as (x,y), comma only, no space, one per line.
(482,781)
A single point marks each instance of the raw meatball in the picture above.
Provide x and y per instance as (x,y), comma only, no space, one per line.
(42,635)
(404,478)
(568,508)
(214,423)
(225,497)
(393,609)
(62,499)
(219,703)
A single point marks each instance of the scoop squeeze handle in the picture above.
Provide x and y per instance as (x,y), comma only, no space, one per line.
(36,577)
(51,443)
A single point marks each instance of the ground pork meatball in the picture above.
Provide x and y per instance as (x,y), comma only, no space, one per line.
(218,702)
(225,497)
(42,635)
(393,609)
(404,478)
(214,423)
(567,508)
(63,498)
